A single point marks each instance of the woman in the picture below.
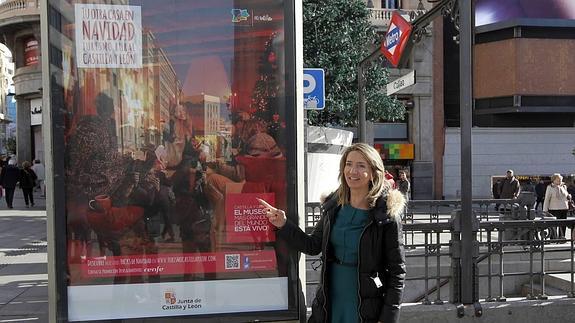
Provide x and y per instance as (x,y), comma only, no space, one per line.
(557,200)
(360,238)
(27,183)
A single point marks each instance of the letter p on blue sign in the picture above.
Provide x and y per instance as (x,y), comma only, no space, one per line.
(313,89)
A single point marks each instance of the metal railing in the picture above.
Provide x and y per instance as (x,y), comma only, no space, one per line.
(505,236)
(527,237)
(382,17)
(12,7)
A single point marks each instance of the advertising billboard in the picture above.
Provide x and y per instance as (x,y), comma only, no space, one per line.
(493,11)
(169,119)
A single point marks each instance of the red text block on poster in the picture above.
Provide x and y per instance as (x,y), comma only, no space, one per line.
(246,220)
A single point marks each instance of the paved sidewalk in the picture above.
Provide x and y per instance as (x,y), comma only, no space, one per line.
(23,261)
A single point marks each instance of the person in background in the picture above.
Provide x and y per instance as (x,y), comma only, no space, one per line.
(403,185)
(557,200)
(389,177)
(360,238)
(38,168)
(27,183)
(510,187)
(540,193)
(571,186)
(9,178)
(495,190)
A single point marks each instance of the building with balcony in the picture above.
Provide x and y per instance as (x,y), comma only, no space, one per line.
(408,144)
(20,32)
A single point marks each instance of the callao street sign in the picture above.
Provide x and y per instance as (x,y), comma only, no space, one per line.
(401,83)
(396,38)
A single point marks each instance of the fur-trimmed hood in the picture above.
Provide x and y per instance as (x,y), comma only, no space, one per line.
(393,201)
(395,204)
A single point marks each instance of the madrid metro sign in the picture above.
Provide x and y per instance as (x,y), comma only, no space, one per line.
(396,39)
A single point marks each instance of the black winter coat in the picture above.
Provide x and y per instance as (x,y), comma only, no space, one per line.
(10,176)
(27,178)
(381,254)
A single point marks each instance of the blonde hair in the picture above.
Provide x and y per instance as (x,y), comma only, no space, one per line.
(378,184)
(555,176)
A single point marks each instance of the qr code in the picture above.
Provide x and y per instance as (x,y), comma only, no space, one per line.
(232,261)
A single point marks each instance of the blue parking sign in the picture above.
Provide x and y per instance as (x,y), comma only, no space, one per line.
(313,89)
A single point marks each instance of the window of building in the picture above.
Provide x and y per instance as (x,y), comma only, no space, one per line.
(391,4)
(55,19)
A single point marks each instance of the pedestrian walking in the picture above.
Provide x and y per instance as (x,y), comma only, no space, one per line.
(509,189)
(404,187)
(360,238)
(540,193)
(557,200)
(9,178)
(27,183)
(495,190)
(38,168)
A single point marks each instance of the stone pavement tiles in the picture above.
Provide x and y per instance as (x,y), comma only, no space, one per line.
(23,262)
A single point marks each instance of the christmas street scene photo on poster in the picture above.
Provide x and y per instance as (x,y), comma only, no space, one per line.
(175,126)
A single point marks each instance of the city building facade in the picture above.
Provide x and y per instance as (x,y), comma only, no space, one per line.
(7,102)
(524,95)
(20,32)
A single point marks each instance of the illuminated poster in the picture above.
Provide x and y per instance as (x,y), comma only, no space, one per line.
(175,122)
(493,11)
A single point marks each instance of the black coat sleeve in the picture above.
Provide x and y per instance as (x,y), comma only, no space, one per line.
(309,244)
(33,174)
(395,272)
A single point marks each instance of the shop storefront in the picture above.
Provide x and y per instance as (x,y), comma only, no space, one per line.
(396,157)
(168,120)
(36,125)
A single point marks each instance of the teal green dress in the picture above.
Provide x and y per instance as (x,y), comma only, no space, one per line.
(343,285)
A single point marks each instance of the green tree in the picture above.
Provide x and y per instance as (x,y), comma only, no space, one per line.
(337,36)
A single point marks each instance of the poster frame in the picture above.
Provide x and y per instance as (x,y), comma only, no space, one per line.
(54,145)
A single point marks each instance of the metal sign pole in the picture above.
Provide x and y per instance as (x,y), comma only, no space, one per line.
(362,113)
(466,115)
